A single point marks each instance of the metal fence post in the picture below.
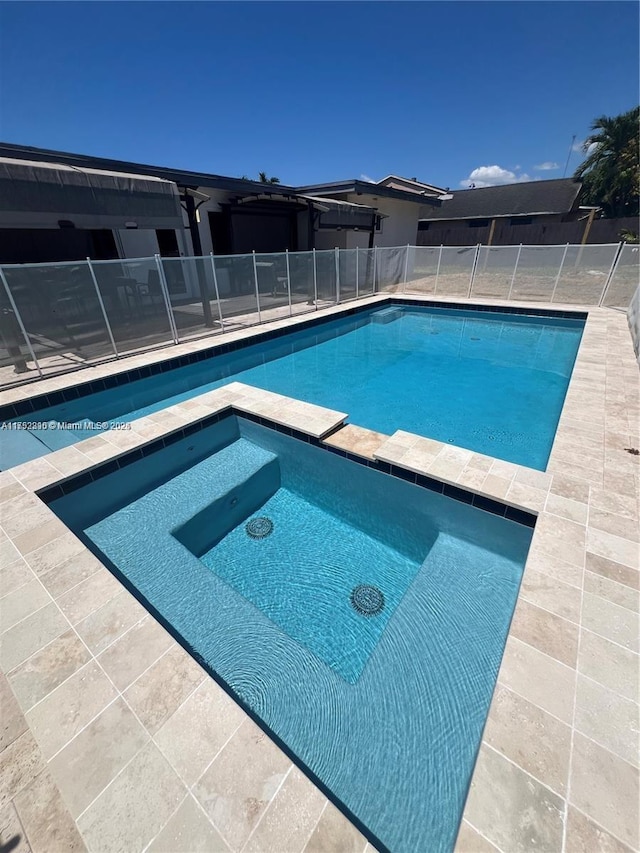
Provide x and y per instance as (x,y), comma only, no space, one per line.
(406,264)
(435,288)
(102,308)
(337,258)
(286,252)
(215,287)
(167,301)
(473,269)
(255,275)
(20,323)
(375,267)
(515,269)
(555,283)
(612,271)
(357,276)
(315,280)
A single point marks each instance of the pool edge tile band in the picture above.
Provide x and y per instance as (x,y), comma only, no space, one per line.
(71,484)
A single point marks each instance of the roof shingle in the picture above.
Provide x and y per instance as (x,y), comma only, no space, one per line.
(556,196)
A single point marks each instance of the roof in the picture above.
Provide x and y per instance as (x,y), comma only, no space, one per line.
(392,186)
(358,187)
(410,185)
(526,198)
(182,177)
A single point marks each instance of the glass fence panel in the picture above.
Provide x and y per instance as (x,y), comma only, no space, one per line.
(302,287)
(273,286)
(454,275)
(390,269)
(61,313)
(584,274)
(537,272)
(16,361)
(326,277)
(625,279)
(237,289)
(192,296)
(348,274)
(133,300)
(422,269)
(494,271)
(366,263)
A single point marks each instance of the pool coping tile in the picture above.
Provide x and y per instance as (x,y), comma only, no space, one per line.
(550,636)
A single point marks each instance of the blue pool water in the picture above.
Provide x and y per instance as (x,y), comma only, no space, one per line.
(493,383)
(387,709)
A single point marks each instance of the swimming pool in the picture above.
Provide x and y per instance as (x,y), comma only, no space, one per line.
(487,381)
(380,694)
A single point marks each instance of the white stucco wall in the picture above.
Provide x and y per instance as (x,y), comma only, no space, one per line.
(399,228)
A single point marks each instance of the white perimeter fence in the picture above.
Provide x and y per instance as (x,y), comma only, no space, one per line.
(58,317)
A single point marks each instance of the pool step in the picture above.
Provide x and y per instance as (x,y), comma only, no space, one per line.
(386,315)
(243,478)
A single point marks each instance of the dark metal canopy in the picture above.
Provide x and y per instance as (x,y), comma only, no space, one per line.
(332,213)
(43,195)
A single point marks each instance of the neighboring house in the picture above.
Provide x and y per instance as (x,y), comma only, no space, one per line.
(398,202)
(527,212)
(56,206)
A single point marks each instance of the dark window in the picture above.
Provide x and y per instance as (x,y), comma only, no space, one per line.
(167,243)
(104,245)
(478,223)
(220,228)
(521,220)
(423,226)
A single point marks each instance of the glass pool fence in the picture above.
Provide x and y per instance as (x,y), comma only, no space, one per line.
(59,317)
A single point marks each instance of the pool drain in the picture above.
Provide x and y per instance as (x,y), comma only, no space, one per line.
(367,600)
(259,527)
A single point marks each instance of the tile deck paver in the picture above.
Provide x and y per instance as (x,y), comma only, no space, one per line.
(550,770)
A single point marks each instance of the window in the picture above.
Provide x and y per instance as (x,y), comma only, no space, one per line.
(521,220)
(478,223)
(423,226)
(167,243)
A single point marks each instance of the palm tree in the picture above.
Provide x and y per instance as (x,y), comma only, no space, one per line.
(262,177)
(610,174)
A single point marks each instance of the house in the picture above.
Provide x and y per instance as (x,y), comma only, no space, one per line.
(528,212)
(57,206)
(399,203)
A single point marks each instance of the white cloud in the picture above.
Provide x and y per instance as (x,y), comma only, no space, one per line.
(366,178)
(491,176)
(547,166)
(577,146)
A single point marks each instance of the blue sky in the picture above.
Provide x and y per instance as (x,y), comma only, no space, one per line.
(319,91)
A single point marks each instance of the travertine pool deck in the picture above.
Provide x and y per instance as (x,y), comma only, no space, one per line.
(113,738)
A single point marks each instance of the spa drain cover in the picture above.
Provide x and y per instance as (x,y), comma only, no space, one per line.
(367,600)
(259,527)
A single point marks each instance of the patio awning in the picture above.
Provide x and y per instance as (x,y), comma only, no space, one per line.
(42,195)
(332,212)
